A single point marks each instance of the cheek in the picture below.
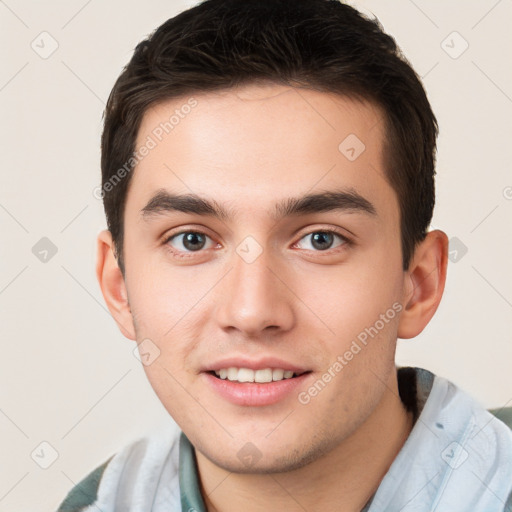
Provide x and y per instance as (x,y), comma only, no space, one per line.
(166,330)
(342,302)
(168,308)
(162,300)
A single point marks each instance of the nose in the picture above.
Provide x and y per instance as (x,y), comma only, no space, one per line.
(255,299)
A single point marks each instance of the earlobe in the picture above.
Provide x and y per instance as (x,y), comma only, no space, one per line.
(424,284)
(112,284)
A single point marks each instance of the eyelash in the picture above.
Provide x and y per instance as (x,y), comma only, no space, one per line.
(184,254)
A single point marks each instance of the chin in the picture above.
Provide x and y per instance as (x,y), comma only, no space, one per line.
(251,460)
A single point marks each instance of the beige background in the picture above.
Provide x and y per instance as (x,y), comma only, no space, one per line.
(68,377)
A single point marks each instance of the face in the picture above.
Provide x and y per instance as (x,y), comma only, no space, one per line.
(248,278)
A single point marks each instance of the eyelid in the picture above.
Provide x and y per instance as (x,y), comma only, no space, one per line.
(171,233)
(343,232)
(326,228)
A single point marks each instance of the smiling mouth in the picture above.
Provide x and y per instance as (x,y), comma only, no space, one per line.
(262,376)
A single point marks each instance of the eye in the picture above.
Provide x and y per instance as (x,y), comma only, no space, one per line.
(323,240)
(189,241)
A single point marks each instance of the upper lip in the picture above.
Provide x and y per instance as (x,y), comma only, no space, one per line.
(254,364)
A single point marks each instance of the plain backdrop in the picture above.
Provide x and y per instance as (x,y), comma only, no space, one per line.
(69,379)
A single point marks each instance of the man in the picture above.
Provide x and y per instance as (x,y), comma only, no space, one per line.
(268,182)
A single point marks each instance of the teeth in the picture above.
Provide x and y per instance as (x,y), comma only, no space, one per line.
(263,375)
(277,374)
(248,375)
(245,375)
(232,374)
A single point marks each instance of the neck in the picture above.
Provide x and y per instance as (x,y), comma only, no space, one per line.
(345,477)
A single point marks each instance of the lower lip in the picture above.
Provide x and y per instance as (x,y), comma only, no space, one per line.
(253,393)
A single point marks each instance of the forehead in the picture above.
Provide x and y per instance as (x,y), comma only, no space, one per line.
(262,142)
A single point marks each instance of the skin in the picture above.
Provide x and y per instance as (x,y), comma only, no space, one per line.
(247,149)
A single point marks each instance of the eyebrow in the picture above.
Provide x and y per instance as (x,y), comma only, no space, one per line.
(349,201)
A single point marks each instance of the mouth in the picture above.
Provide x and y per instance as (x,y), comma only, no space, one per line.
(256,384)
(260,376)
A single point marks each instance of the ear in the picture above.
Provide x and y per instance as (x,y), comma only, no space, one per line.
(111,281)
(424,284)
